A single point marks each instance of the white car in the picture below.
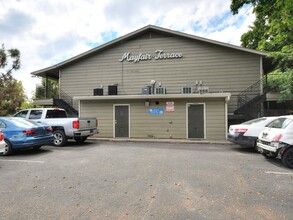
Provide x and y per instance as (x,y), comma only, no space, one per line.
(276,140)
(2,143)
(246,134)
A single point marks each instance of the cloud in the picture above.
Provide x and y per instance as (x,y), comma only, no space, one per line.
(48,32)
(15,22)
(231,28)
(63,43)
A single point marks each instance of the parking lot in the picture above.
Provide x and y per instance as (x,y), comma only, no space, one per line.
(141,180)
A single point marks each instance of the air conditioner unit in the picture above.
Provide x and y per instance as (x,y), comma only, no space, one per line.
(160,90)
(203,89)
(112,89)
(146,90)
(186,90)
(98,91)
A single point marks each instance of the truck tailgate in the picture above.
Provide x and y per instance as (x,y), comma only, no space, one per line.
(87,123)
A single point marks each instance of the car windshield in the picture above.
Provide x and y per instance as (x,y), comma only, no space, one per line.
(21,114)
(280,123)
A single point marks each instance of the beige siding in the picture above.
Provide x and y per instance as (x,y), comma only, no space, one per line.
(103,112)
(169,125)
(220,68)
(215,120)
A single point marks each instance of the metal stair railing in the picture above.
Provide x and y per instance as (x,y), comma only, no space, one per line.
(249,101)
(251,93)
(66,98)
(65,101)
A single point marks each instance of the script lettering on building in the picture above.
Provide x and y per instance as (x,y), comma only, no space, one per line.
(158,55)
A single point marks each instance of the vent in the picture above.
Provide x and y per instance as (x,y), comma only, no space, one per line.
(160,90)
(186,90)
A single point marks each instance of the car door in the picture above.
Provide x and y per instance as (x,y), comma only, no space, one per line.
(35,114)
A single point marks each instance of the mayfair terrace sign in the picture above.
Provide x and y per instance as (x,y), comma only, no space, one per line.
(159,55)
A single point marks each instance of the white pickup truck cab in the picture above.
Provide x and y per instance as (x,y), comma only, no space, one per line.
(64,128)
(276,140)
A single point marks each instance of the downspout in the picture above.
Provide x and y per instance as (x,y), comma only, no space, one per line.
(226,115)
(261,76)
(262,88)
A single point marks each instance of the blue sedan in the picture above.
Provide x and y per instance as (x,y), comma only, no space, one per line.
(21,133)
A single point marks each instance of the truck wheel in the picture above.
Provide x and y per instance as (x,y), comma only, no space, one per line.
(287,158)
(80,140)
(7,149)
(59,138)
(269,155)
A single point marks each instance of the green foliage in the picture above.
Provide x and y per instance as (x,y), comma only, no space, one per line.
(272,31)
(273,27)
(11,91)
(252,38)
(283,58)
(52,89)
(237,4)
(281,81)
(14,56)
(11,96)
(27,104)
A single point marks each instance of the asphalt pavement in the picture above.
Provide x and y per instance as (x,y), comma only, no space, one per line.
(144,180)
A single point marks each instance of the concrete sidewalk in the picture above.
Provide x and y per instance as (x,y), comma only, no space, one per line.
(184,141)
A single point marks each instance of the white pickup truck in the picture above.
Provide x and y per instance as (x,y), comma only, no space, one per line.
(64,128)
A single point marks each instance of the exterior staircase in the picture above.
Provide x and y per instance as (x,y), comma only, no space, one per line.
(250,101)
(65,102)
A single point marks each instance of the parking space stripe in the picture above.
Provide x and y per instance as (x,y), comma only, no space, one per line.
(278,173)
(25,161)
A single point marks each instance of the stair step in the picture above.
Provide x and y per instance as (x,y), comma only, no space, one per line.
(71,111)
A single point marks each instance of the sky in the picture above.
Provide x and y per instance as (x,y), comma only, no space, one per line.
(51,31)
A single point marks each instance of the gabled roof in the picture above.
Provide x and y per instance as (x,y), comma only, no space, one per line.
(53,71)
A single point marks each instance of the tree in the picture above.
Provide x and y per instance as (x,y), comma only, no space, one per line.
(51,92)
(14,54)
(11,91)
(272,31)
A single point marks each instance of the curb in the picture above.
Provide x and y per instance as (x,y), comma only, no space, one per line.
(183,141)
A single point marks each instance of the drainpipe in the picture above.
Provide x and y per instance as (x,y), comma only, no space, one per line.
(262,88)
(46,86)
